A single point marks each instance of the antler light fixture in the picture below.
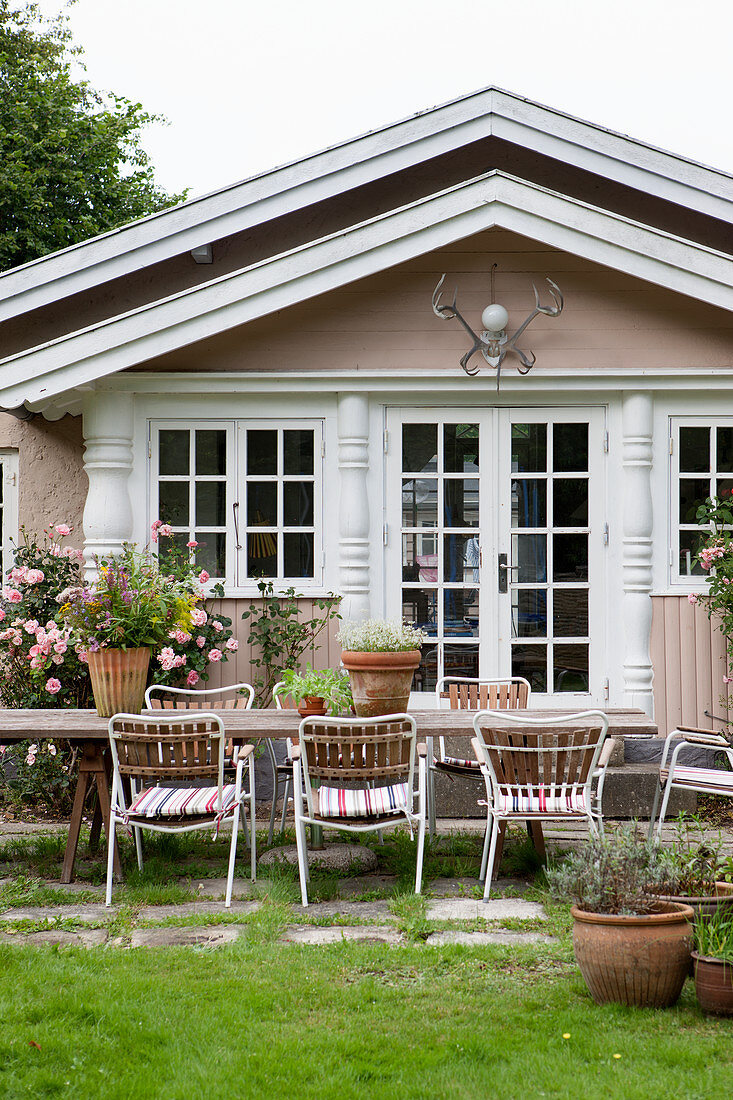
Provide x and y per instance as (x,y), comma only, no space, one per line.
(493,343)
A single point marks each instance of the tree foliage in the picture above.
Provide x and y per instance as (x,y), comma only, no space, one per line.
(71,160)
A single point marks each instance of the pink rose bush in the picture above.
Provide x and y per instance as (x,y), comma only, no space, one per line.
(716,558)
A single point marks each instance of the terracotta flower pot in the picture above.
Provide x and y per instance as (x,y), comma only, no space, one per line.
(704,906)
(713,984)
(312,706)
(118,679)
(637,960)
(380,682)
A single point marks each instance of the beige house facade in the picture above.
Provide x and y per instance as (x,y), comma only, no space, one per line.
(262,369)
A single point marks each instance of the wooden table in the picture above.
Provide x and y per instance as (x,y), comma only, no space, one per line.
(86,729)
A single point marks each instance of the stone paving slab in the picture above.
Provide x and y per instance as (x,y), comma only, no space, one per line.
(319,936)
(186,937)
(496,909)
(358,910)
(198,909)
(85,937)
(483,939)
(338,858)
(217,887)
(90,912)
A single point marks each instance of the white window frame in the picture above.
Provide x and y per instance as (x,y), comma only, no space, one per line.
(9,519)
(236,582)
(678,581)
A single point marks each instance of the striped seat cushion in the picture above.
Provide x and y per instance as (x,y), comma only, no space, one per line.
(701,777)
(361,802)
(457,762)
(537,800)
(181,801)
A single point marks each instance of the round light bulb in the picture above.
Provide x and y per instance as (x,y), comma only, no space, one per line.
(494,318)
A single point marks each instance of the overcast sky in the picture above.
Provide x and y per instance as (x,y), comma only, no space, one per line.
(250,84)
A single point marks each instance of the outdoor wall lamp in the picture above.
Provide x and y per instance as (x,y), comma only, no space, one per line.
(493,343)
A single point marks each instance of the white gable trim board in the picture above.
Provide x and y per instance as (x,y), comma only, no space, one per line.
(224,303)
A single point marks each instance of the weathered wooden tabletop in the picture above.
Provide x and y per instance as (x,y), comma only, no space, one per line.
(86,725)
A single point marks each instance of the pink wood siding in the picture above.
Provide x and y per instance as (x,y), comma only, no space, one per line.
(385,323)
(688,655)
(238,668)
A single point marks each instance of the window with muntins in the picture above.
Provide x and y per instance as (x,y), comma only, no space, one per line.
(702,466)
(248,493)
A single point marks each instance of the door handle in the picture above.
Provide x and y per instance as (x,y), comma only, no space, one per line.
(504,569)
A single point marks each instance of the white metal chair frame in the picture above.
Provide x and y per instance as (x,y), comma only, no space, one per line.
(704,783)
(164,760)
(282,771)
(354,736)
(574,767)
(241,697)
(468,693)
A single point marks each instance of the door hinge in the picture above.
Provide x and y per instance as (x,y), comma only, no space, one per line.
(605,443)
(150,449)
(605,534)
(606,689)
(671,445)
(323,448)
(385,441)
(385,535)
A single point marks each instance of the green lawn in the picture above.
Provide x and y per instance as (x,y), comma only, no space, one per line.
(351,1020)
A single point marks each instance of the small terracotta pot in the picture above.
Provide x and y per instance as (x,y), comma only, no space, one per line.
(636,960)
(713,984)
(118,679)
(312,706)
(380,682)
(706,905)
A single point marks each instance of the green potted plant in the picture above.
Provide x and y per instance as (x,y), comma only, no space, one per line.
(695,868)
(317,691)
(631,947)
(131,608)
(713,959)
(380,656)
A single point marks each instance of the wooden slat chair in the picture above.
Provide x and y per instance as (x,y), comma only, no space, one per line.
(175,768)
(533,774)
(673,773)
(462,693)
(234,697)
(358,775)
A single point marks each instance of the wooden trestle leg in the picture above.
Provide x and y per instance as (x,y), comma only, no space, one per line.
(93,768)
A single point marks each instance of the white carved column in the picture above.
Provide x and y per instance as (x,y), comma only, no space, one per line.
(638,409)
(353,460)
(108,432)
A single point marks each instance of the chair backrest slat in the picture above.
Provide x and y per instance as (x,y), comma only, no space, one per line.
(358,750)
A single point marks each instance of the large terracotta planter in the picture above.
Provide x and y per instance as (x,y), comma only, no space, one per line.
(380,682)
(640,960)
(705,906)
(118,679)
(713,984)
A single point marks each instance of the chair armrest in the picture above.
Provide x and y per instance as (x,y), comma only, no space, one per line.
(245,751)
(422,749)
(478,748)
(703,737)
(608,746)
(295,752)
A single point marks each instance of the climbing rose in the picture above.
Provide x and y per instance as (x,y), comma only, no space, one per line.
(215,654)
(692,598)
(53,685)
(233,645)
(192,678)
(198,616)
(203,576)
(34,576)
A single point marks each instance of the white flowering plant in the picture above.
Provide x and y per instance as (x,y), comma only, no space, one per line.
(380,636)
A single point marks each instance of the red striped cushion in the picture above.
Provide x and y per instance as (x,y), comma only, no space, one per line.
(702,777)
(363,802)
(456,762)
(536,800)
(181,801)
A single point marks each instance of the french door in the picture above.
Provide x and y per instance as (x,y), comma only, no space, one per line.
(495,544)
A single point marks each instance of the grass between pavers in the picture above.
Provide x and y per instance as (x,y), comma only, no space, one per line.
(353,1019)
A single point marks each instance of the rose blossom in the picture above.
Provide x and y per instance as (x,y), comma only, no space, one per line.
(53,685)
(31,626)
(692,598)
(34,576)
(192,678)
(198,616)
(217,626)
(51,749)
(30,758)
(62,529)
(192,544)
(13,595)
(201,641)
(233,645)
(215,655)
(203,577)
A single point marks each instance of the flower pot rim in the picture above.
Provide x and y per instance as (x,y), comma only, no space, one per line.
(375,656)
(724,894)
(716,959)
(669,912)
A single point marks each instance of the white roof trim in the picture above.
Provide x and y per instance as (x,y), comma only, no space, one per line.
(356,162)
(282,281)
